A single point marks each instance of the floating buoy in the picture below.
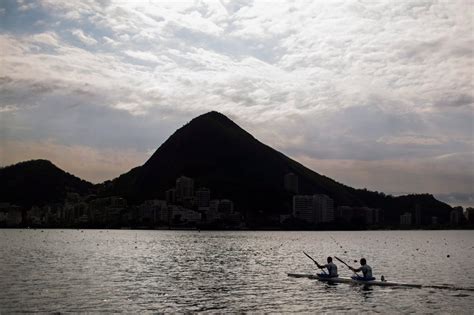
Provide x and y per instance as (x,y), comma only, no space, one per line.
(447,256)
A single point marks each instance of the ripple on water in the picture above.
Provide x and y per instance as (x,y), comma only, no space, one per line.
(169,271)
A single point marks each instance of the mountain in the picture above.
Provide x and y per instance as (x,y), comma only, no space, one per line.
(220,155)
(38,182)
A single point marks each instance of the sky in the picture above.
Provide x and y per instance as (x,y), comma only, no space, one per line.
(375,94)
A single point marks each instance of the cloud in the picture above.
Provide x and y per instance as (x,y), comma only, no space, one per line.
(8,108)
(435,175)
(457,199)
(48,38)
(93,164)
(367,83)
(143,55)
(86,39)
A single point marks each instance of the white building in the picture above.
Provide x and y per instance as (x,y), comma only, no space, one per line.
(313,208)
(405,219)
(324,208)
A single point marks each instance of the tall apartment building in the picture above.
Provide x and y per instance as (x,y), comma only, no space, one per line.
(184,188)
(203,196)
(313,208)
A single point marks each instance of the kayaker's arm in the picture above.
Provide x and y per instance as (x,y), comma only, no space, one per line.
(355,269)
(319,266)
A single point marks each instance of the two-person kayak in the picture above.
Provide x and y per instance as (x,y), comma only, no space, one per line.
(353,281)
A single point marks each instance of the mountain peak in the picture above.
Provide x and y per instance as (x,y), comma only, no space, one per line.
(213,117)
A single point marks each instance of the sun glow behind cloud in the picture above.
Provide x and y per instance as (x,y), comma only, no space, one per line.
(368,82)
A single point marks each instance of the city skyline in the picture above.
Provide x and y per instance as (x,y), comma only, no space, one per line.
(372,95)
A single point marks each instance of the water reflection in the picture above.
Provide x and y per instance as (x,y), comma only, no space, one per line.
(170,271)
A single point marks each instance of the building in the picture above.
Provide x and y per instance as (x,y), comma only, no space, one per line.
(324,208)
(226,207)
(418,215)
(313,208)
(434,220)
(212,213)
(181,215)
(11,214)
(303,208)
(291,183)
(171,196)
(203,197)
(184,188)
(405,219)
(106,211)
(359,215)
(345,213)
(455,216)
(368,215)
(150,211)
(470,215)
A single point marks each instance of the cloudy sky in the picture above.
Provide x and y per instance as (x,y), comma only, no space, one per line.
(373,94)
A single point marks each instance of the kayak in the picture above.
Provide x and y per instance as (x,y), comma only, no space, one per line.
(354,281)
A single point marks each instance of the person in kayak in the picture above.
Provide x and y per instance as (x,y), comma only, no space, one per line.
(331,267)
(366,271)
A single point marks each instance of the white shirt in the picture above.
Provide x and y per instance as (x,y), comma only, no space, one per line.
(367,271)
(332,268)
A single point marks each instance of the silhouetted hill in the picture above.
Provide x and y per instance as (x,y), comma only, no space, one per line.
(395,206)
(220,155)
(37,182)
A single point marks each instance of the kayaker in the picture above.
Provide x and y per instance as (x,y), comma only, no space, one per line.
(331,267)
(366,271)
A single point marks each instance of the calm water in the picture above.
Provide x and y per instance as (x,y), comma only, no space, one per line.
(167,271)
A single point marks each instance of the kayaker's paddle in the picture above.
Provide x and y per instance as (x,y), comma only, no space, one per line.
(347,265)
(314,261)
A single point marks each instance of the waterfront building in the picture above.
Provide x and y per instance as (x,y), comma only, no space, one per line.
(313,208)
(405,219)
(226,206)
(345,213)
(171,196)
(418,215)
(11,214)
(181,214)
(324,208)
(184,188)
(150,211)
(203,197)
(470,215)
(455,215)
(303,208)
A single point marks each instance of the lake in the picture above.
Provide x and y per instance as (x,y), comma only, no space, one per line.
(219,271)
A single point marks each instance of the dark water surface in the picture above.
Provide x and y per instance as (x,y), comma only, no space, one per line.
(168,271)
